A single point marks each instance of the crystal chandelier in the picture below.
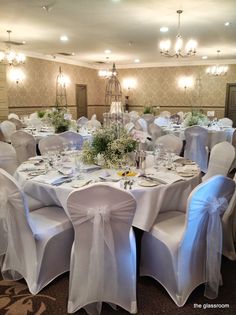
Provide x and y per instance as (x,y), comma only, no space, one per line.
(9,56)
(190,48)
(217,70)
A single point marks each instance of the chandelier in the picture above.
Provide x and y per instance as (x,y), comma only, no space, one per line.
(190,47)
(9,56)
(217,70)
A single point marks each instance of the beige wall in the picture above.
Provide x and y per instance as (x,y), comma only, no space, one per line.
(3,93)
(39,87)
(159,87)
(155,86)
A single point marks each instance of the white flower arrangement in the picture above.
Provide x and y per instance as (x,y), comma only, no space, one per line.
(195,118)
(109,148)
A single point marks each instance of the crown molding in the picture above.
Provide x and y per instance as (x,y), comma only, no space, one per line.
(176,63)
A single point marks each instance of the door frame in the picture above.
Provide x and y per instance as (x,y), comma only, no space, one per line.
(86,95)
(228,85)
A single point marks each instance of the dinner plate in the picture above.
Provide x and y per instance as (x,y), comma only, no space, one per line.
(186,174)
(80,183)
(35,158)
(148,183)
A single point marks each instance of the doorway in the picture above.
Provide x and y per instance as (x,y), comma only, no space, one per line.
(81,100)
(230,103)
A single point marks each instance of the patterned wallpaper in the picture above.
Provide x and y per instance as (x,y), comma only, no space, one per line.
(159,87)
(155,86)
(39,86)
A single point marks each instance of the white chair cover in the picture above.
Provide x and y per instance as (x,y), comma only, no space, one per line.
(229,228)
(149,118)
(24,144)
(133,116)
(19,125)
(103,258)
(7,127)
(165,113)
(221,158)
(82,121)
(35,122)
(162,121)
(226,122)
(74,139)
(184,250)
(94,124)
(13,115)
(39,242)
(129,127)
(196,146)
(171,143)
(141,124)
(52,142)
(155,131)
(8,159)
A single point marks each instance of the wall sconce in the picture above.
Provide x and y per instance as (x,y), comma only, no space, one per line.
(62,79)
(128,84)
(185,82)
(17,75)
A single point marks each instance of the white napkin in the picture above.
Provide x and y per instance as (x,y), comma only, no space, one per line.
(48,178)
(167,177)
(28,167)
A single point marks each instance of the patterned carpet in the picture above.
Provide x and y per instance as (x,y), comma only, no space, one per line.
(15,298)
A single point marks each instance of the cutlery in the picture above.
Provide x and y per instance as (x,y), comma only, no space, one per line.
(153,179)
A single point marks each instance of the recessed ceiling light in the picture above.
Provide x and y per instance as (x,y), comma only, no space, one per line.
(204,57)
(23,42)
(107,51)
(73,54)
(64,38)
(137,60)
(227,23)
(164,29)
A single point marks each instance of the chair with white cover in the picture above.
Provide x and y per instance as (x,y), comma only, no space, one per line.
(18,123)
(226,122)
(196,146)
(94,124)
(221,158)
(183,250)
(155,131)
(82,121)
(103,257)
(8,158)
(141,124)
(229,228)
(149,118)
(75,139)
(8,128)
(171,143)
(162,121)
(24,144)
(13,115)
(39,242)
(165,113)
(52,142)
(133,116)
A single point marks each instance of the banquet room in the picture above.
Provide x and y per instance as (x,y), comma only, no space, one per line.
(117,157)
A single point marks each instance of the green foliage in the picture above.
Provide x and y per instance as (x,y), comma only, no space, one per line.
(59,118)
(41,113)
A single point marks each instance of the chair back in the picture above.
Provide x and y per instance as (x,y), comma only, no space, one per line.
(94,124)
(8,158)
(149,118)
(14,210)
(8,128)
(221,158)
(202,238)
(196,146)
(175,118)
(165,113)
(19,125)
(102,243)
(13,115)
(82,121)
(155,131)
(226,122)
(24,144)
(162,121)
(141,124)
(52,142)
(75,139)
(171,143)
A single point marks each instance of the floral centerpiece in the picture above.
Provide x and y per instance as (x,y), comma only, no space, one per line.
(109,148)
(195,118)
(59,118)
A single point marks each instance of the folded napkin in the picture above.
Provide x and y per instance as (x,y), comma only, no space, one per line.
(51,179)
(188,168)
(28,167)
(167,177)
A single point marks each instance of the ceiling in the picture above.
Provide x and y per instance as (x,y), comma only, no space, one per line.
(129,28)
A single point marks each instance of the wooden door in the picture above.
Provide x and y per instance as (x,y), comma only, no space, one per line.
(81,100)
(230,103)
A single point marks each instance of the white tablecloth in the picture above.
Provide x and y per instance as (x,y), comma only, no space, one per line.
(150,200)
